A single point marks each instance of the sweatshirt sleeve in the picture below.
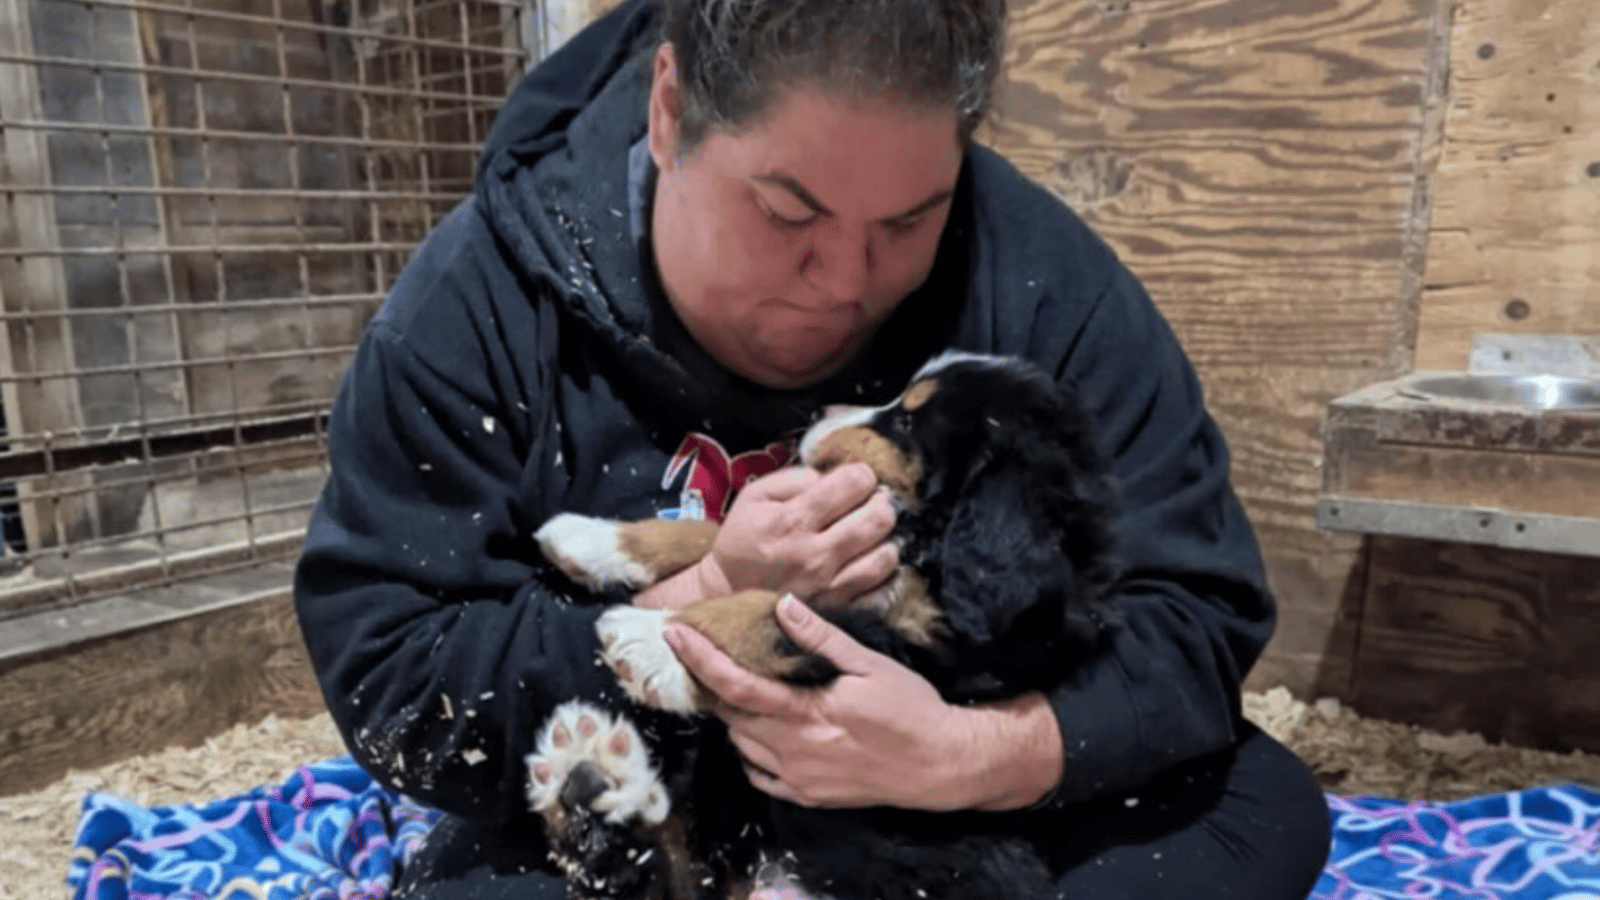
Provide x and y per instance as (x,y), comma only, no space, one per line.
(1197,608)
(430,620)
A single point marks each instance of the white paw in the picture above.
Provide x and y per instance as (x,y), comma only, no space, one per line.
(633,646)
(589,551)
(579,734)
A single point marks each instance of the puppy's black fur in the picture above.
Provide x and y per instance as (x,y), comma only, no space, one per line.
(1011,529)
(1013,532)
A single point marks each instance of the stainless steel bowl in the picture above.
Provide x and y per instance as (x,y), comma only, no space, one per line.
(1544,392)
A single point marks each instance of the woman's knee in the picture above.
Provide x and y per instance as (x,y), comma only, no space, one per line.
(466,860)
(1280,811)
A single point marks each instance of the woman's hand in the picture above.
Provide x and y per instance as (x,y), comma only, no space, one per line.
(879,735)
(819,537)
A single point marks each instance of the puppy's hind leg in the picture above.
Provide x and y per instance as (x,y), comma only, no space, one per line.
(603,805)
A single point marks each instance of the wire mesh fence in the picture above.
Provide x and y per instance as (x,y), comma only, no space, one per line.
(203,203)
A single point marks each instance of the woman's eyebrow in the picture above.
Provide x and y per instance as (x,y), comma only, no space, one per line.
(790,184)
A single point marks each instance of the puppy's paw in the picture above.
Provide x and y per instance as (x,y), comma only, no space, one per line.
(634,647)
(588,761)
(589,551)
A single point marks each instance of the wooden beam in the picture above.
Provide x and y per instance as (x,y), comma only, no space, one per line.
(139,688)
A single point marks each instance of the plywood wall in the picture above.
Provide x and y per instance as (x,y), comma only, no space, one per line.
(1258,166)
(1515,240)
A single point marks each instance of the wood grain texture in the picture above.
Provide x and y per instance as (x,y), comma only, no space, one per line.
(1515,241)
(1495,641)
(1256,164)
(175,684)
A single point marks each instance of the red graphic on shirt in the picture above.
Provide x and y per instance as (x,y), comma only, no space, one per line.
(714,477)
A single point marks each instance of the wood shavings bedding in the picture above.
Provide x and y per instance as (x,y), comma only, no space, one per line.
(1351,754)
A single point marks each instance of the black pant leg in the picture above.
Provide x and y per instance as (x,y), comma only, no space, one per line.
(1251,823)
(462,859)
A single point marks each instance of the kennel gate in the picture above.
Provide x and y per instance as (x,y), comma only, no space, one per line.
(204,201)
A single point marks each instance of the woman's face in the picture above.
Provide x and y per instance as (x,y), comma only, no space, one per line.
(784,246)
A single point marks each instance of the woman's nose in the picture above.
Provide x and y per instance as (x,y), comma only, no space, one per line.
(839,264)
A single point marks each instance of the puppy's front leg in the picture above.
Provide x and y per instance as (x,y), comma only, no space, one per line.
(743,625)
(603,553)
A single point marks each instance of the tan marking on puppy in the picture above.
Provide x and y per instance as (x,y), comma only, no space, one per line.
(919,394)
(683,874)
(896,471)
(665,546)
(910,610)
(745,627)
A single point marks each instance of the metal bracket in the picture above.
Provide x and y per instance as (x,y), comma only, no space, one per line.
(1536,354)
(1496,527)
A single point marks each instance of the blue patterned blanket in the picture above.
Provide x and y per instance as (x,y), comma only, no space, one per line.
(1537,844)
(329,831)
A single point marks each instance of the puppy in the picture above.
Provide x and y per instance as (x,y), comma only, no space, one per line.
(1004,523)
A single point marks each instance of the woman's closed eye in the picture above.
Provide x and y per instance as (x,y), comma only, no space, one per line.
(903,226)
(788,220)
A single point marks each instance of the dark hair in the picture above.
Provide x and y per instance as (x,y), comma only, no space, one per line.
(734,56)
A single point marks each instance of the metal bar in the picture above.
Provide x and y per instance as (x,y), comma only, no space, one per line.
(218,75)
(1572,535)
(210,193)
(327,140)
(218,249)
(163,531)
(314,301)
(102,482)
(343,31)
(191,363)
(55,592)
(174,425)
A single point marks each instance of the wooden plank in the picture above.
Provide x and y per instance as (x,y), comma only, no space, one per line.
(1520,482)
(1438,455)
(1257,165)
(1494,641)
(1515,244)
(140,691)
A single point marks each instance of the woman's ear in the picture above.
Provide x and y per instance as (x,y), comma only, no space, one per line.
(666,107)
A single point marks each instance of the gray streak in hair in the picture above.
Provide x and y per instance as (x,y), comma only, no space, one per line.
(734,56)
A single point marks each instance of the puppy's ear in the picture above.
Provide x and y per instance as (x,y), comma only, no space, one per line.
(996,561)
(1027,554)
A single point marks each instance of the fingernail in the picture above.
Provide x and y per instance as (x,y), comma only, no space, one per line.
(792,609)
(673,636)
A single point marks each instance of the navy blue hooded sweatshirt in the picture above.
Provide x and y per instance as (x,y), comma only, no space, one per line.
(527,363)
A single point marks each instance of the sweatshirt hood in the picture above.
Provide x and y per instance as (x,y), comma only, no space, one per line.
(565,182)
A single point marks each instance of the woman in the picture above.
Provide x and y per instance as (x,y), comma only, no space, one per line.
(694,225)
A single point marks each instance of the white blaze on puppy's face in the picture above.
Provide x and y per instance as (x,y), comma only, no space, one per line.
(954,357)
(845,435)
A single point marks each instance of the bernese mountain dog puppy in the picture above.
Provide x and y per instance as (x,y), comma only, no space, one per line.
(1005,527)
